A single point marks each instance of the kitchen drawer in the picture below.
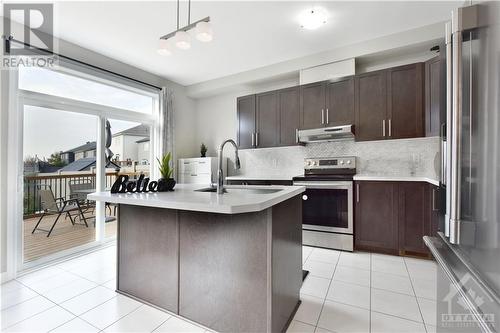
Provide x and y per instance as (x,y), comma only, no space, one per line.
(203,167)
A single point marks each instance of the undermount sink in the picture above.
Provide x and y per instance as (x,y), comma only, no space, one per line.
(242,190)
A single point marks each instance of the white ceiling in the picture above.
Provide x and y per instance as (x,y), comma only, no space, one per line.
(247,35)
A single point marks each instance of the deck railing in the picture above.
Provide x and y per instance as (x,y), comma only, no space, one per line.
(59,183)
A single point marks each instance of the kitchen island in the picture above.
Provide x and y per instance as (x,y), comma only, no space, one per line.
(231,262)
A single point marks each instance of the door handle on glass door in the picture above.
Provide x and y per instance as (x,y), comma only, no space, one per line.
(322,116)
(327,116)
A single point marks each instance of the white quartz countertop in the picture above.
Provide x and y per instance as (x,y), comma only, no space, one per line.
(397,179)
(184,197)
(356,177)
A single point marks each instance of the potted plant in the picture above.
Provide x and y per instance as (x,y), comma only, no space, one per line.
(203,150)
(166,182)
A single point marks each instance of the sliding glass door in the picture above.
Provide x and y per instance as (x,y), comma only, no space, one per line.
(59,170)
(62,123)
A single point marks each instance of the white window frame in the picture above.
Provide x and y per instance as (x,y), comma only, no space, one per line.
(18,99)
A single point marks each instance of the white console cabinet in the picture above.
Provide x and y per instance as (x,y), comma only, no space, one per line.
(199,170)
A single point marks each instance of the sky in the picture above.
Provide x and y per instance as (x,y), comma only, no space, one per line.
(47,131)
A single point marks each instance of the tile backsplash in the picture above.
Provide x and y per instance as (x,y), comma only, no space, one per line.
(407,157)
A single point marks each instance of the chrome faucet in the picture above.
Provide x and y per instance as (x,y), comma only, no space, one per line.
(220,173)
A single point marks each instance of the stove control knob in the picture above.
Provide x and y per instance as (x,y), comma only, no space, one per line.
(341,162)
(348,161)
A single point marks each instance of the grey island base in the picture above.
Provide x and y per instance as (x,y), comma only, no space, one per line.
(231,272)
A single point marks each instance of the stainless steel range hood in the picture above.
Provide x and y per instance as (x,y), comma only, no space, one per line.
(336,133)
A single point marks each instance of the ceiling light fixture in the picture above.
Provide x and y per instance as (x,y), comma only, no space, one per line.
(313,18)
(181,38)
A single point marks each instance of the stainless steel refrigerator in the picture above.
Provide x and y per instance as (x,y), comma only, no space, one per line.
(467,248)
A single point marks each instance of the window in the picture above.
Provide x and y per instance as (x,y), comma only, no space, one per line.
(69,86)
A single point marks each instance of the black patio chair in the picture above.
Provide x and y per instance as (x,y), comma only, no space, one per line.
(57,206)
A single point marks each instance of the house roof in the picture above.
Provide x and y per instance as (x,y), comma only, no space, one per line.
(142,140)
(90,145)
(140,130)
(80,164)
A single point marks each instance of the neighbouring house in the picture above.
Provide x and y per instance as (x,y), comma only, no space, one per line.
(125,146)
(85,164)
(38,166)
(143,151)
(84,151)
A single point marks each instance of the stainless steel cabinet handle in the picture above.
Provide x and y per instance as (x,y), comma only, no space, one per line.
(327,116)
(383,127)
(434,209)
(253,139)
(322,116)
(296,135)
(304,197)
(357,192)
(390,127)
(256,139)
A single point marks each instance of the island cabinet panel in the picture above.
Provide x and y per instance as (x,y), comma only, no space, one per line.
(289,101)
(376,220)
(148,255)
(435,95)
(267,120)
(246,121)
(286,283)
(371,106)
(221,287)
(312,105)
(405,102)
(340,102)
(414,216)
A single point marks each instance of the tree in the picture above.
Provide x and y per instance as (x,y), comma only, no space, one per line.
(56,160)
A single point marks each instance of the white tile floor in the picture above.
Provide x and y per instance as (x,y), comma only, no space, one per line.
(344,292)
(363,292)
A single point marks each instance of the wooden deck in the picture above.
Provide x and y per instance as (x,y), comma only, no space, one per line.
(64,236)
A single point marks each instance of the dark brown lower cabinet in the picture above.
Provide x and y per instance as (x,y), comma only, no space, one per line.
(376,220)
(413,215)
(392,217)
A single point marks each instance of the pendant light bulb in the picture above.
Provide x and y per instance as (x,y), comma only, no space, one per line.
(164,48)
(204,32)
(182,40)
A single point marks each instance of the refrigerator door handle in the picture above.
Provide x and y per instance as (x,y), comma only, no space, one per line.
(449,128)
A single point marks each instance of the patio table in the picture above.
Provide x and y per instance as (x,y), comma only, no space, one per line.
(87,191)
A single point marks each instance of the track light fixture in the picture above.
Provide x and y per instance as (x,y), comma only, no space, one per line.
(181,38)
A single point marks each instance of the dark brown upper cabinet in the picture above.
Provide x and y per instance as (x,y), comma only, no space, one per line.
(435,95)
(371,106)
(246,121)
(405,102)
(340,102)
(312,105)
(289,115)
(267,120)
(390,103)
(376,216)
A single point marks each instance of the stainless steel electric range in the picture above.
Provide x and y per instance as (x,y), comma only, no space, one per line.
(327,203)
